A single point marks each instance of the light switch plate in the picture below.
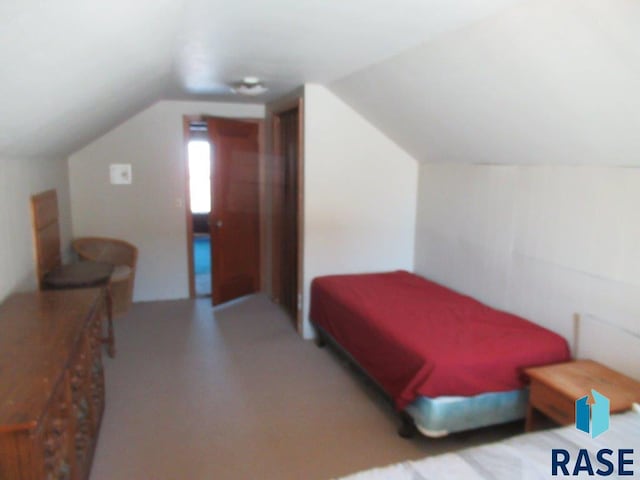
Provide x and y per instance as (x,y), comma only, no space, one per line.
(120,173)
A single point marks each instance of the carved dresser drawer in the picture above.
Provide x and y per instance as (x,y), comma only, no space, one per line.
(51,384)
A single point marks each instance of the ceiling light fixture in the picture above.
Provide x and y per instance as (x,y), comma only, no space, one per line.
(251,86)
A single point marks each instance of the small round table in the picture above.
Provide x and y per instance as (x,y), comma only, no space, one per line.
(85,275)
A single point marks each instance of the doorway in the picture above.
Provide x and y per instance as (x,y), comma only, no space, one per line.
(287,204)
(199,175)
(223,206)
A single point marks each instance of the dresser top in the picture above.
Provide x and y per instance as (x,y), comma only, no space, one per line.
(38,333)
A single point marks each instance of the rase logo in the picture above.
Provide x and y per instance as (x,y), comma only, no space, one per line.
(593,420)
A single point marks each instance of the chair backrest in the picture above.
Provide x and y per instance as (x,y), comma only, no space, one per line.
(46,232)
(109,250)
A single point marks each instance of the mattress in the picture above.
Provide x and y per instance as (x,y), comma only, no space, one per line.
(525,457)
(416,338)
(437,417)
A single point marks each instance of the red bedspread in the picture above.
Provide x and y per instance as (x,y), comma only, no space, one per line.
(415,337)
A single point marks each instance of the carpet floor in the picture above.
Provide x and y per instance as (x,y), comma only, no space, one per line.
(234,393)
(202,265)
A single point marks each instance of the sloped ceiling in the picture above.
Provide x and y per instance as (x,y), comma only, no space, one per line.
(73,69)
(544,82)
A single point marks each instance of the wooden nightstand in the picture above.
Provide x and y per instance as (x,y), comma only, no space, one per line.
(555,388)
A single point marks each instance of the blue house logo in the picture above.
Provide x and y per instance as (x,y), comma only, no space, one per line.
(593,419)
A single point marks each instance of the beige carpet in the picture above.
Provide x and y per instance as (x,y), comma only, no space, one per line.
(234,393)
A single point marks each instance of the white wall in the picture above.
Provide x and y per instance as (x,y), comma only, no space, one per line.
(544,82)
(543,242)
(359,194)
(19,179)
(149,213)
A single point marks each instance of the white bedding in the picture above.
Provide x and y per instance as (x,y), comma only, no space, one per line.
(525,457)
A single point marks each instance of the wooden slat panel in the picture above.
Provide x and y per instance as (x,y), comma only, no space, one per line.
(45,208)
(46,231)
(48,246)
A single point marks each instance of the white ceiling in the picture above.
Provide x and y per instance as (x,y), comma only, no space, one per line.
(290,42)
(545,82)
(72,69)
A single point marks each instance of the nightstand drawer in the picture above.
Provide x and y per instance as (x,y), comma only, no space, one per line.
(552,403)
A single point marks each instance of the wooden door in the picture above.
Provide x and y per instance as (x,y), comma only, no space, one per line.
(286,211)
(234,223)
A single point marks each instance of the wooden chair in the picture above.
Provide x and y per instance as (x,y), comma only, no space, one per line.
(52,274)
(122,255)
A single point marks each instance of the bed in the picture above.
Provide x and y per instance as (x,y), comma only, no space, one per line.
(526,457)
(446,361)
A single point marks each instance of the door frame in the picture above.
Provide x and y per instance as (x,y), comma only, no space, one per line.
(274,110)
(186,134)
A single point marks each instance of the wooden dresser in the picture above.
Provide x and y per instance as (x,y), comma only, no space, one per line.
(51,384)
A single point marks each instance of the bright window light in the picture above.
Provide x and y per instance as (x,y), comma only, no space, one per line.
(200,176)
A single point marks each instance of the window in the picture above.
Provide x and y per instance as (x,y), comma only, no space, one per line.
(200,176)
